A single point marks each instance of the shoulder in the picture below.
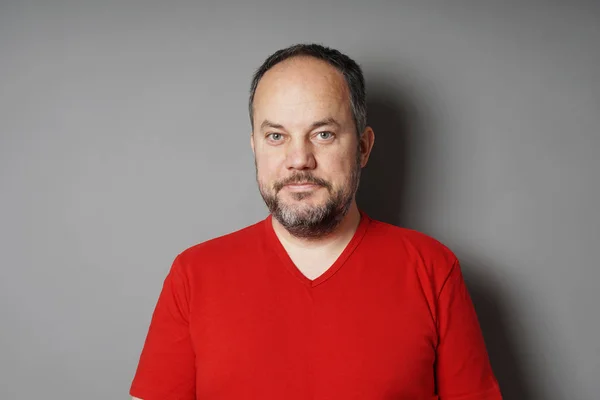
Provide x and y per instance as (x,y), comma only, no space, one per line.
(231,245)
(406,239)
(414,247)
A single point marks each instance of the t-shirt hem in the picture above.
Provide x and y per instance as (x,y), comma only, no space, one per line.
(490,394)
(145,393)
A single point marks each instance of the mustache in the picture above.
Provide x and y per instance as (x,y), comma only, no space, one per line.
(301,178)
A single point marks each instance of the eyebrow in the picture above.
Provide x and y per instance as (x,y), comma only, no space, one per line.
(317,124)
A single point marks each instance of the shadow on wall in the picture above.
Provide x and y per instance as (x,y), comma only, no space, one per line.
(383,181)
(494,321)
(382,195)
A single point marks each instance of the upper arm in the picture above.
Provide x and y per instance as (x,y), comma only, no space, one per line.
(166,367)
(462,364)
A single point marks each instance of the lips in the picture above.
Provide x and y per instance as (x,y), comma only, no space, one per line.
(301,186)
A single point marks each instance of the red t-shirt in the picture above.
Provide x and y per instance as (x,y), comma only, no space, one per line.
(390,319)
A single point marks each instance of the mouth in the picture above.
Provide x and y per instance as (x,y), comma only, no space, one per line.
(302,186)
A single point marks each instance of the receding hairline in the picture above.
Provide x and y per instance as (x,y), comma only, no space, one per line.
(339,83)
(305,57)
(351,72)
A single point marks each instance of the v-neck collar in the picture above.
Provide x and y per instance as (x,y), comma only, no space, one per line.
(273,240)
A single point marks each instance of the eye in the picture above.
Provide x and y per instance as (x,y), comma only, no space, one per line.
(276,137)
(325,135)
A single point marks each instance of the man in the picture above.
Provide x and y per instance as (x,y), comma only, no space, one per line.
(317,301)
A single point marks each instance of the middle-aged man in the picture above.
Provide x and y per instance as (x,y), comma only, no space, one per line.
(318,300)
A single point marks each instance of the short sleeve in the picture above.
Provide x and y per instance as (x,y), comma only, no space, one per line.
(166,369)
(463,370)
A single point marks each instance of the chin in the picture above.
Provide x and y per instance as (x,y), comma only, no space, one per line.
(303,200)
(300,205)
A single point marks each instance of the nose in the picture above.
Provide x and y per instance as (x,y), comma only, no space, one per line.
(299,155)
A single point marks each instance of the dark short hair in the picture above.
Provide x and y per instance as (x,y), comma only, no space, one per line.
(347,66)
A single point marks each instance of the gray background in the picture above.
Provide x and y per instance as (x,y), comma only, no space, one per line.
(125,139)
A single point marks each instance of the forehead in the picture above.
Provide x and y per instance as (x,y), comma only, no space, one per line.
(299,91)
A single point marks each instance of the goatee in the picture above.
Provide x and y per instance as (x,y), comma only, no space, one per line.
(312,222)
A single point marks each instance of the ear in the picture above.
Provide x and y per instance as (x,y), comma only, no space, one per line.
(252,143)
(366,142)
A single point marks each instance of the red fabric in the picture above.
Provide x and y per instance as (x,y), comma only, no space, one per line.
(390,319)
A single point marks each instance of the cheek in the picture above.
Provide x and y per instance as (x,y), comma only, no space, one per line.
(337,168)
(267,168)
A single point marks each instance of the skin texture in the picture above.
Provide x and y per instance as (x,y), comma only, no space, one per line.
(304,131)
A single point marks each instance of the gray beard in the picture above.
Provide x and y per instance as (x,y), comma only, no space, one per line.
(312,222)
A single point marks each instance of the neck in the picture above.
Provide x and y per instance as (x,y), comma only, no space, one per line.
(342,233)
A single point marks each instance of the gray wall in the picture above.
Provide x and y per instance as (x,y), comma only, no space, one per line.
(124,139)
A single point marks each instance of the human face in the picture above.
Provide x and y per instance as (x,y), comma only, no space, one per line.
(306,149)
